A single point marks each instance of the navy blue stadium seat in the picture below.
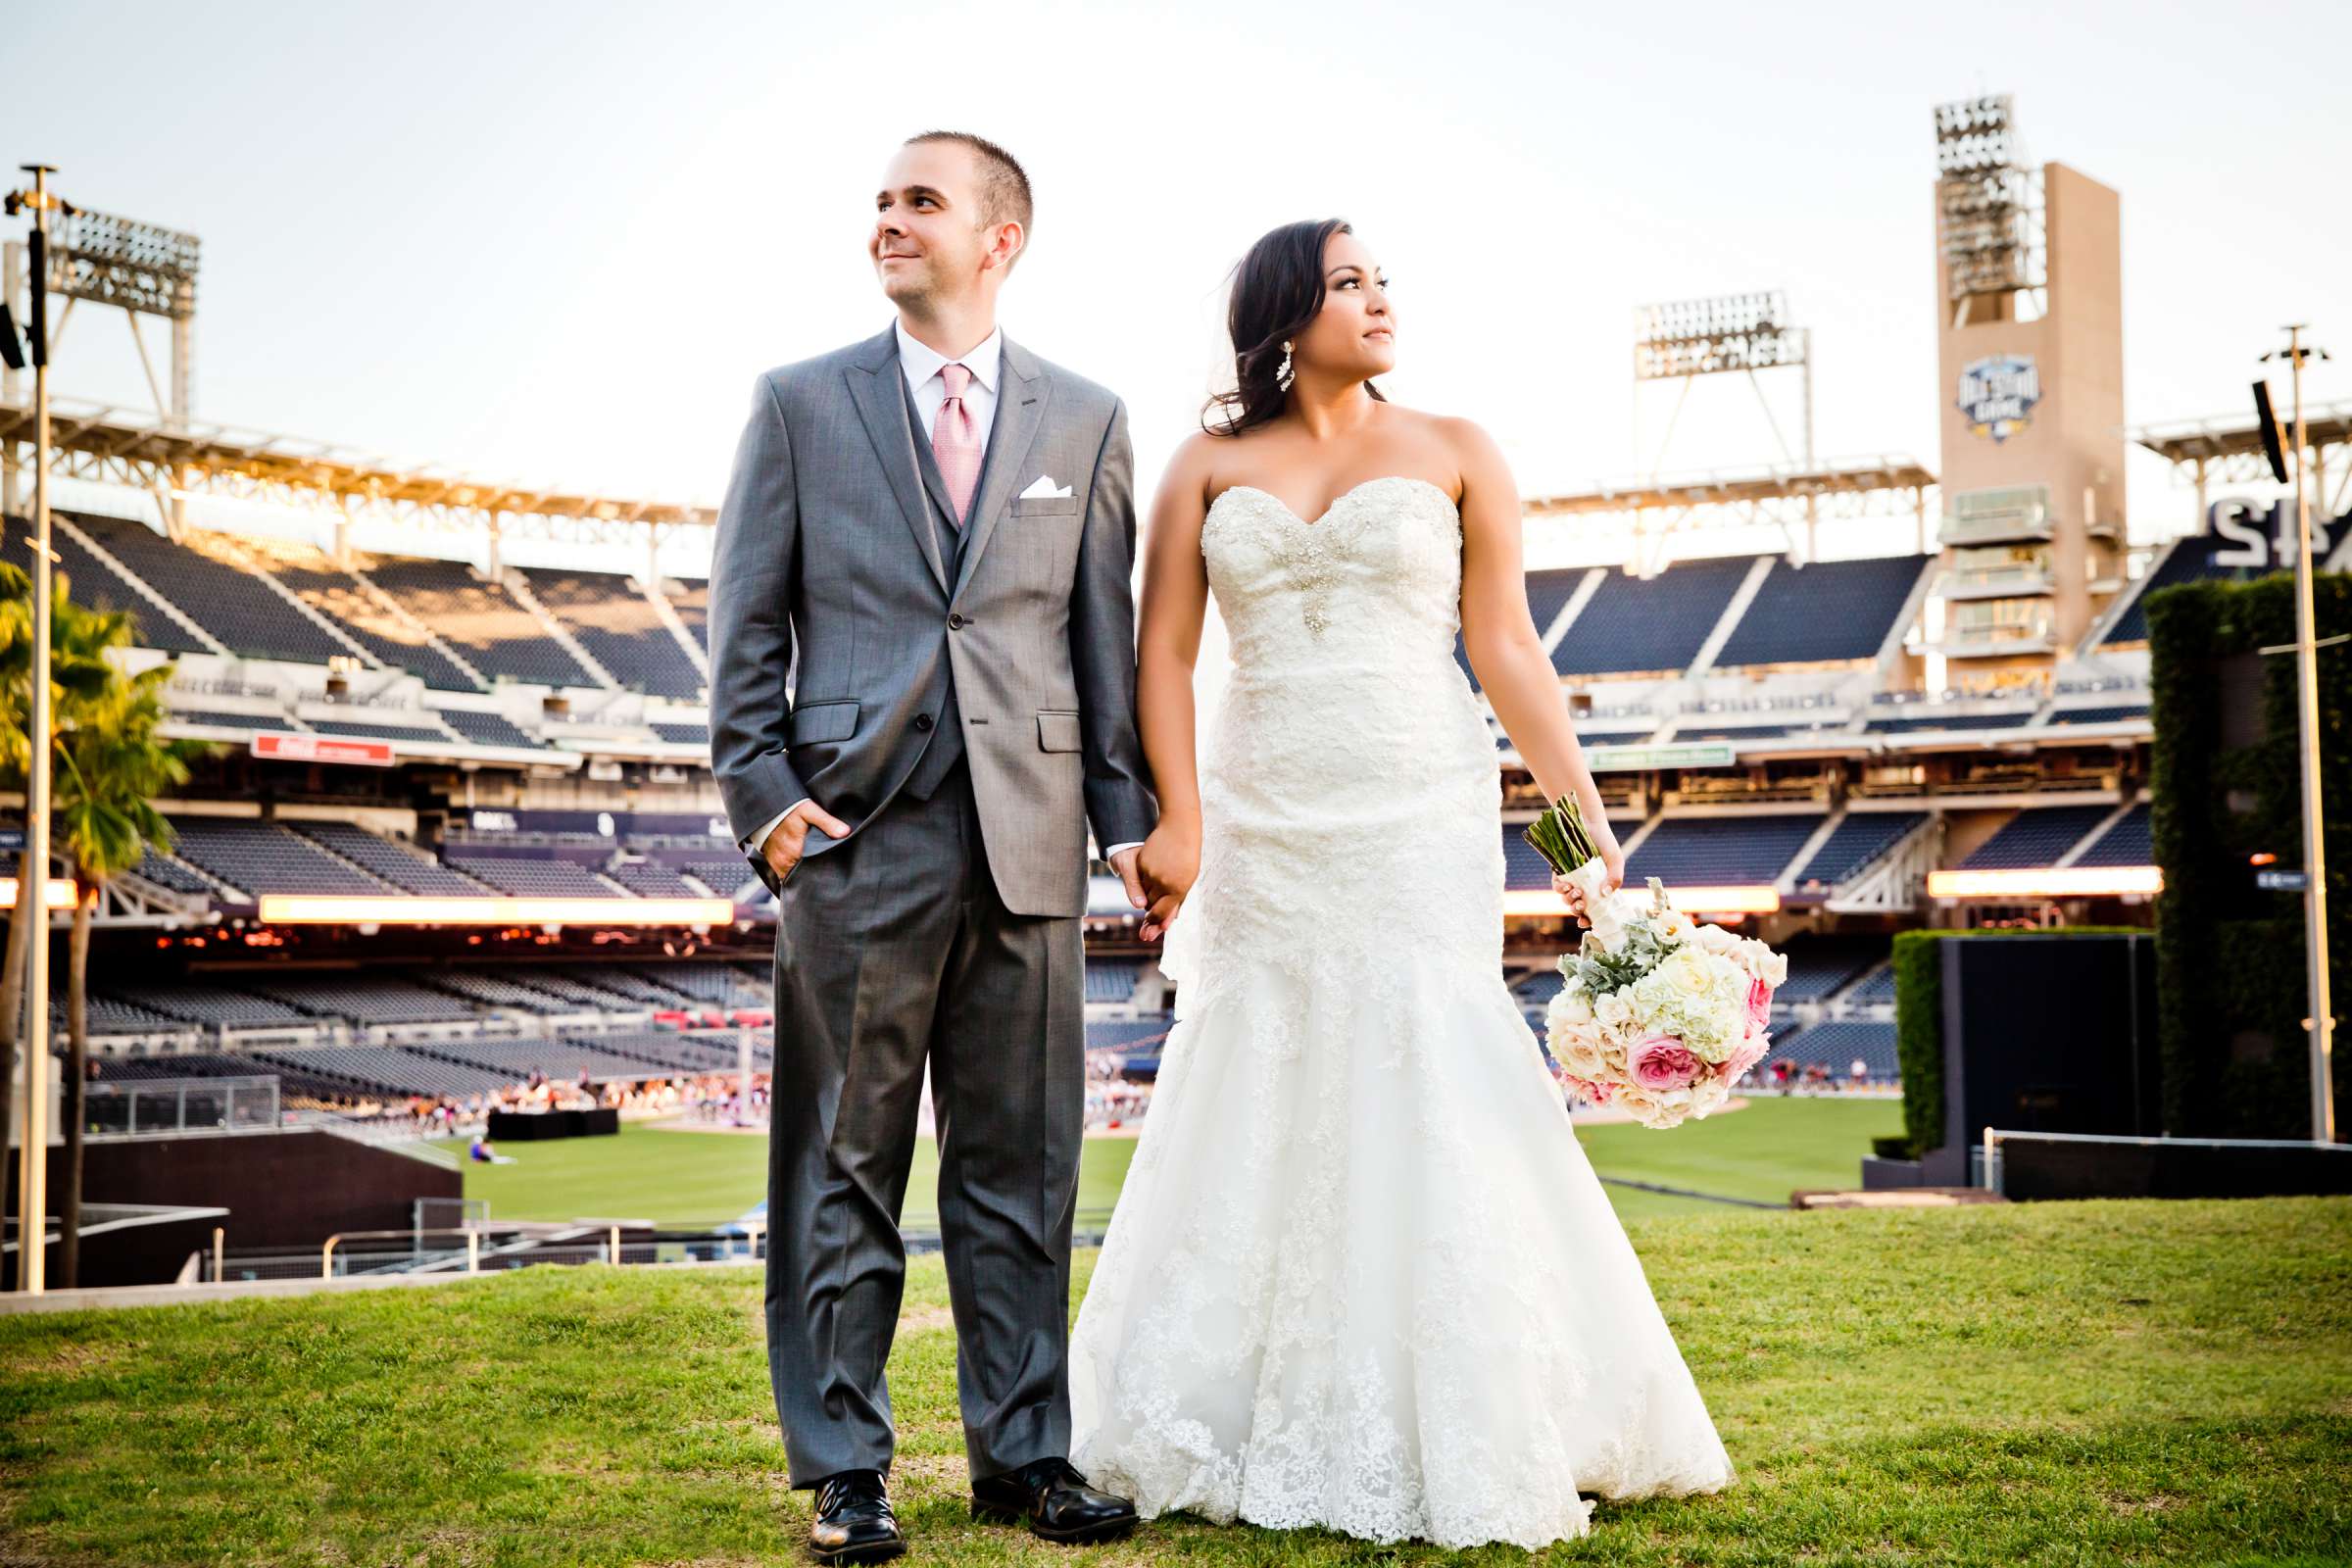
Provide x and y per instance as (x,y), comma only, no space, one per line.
(2098,715)
(1828,611)
(479,618)
(2128,843)
(1820,964)
(1720,851)
(1836,1043)
(1861,838)
(1901,722)
(1655,623)
(2035,837)
(312,576)
(617,623)
(483,729)
(2189,559)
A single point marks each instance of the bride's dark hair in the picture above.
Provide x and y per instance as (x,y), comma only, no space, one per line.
(1277,291)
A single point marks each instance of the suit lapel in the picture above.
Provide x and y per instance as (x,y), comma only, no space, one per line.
(874,384)
(1020,412)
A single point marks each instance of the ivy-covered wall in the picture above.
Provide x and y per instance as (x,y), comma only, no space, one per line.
(2228,785)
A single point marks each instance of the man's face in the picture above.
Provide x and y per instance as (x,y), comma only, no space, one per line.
(927,242)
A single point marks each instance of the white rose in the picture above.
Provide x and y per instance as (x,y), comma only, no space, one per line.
(1613,1010)
(1573,1004)
(1715,939)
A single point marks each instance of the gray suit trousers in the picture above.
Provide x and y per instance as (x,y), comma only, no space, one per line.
(893,946)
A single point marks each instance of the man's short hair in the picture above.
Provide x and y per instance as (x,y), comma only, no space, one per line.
(1004,184)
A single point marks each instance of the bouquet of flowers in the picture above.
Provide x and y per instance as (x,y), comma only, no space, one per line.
(1660,1014)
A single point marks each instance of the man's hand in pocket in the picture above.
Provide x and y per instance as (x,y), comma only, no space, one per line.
(789,838)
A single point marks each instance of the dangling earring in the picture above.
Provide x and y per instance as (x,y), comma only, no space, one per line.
(1282,372)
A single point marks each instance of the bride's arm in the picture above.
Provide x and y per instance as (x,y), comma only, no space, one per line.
(1506,649)
(1167,643)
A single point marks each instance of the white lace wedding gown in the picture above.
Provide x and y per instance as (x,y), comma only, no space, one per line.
(1361,1275)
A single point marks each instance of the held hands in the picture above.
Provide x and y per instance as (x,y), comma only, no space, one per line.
(1167,863)
(1612,858)
(784,846)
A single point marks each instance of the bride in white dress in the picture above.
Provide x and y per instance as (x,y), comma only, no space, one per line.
(1361,1275)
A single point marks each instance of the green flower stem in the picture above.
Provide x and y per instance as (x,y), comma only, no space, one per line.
(1560,837)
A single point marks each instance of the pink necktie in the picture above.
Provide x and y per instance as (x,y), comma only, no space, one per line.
(955,441)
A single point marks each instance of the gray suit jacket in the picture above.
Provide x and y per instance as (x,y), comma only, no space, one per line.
(840,614)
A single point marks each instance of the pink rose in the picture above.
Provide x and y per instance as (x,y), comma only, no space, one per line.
(1590,1093)
(1747,1053)
(1662,1062)
(1759,1003)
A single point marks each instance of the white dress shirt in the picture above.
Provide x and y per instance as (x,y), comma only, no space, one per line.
(920,363)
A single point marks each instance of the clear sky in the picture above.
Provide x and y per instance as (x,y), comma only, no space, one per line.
(555,242)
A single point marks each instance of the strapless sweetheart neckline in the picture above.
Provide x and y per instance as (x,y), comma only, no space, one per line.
(1338,501)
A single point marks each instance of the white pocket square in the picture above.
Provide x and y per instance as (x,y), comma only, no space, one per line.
(1042,487)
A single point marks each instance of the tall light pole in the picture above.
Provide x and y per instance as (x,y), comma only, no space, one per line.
(32,867)
(2307,718)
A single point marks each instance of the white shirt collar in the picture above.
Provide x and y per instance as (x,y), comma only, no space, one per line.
(922,361)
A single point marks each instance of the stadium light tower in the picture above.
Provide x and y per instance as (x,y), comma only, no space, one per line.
(1686,339)
(1989,212)
(2307,716)
(32,867)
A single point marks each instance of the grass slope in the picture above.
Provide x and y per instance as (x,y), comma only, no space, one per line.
(2094,1383)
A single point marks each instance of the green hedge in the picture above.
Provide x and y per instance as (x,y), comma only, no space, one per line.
(2231,988)
(1919,1021)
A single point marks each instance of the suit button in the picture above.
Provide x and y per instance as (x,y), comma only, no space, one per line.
(922,721)
(955,624)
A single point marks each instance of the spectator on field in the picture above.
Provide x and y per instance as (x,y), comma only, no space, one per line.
(1860,1073)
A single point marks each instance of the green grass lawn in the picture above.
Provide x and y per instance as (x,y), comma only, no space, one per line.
(2081,1384)
(684,1178)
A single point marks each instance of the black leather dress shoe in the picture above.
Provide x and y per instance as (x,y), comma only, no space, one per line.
(1054,1499)
(853,1521)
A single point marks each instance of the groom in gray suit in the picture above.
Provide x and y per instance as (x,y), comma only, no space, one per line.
(923,668)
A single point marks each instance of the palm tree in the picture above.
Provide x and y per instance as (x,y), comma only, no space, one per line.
(78,671)
(111,766)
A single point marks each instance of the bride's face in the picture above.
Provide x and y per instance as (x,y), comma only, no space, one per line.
(1355,332)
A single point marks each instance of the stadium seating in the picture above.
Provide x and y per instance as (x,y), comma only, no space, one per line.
(2097,716)
(693,604)
(2035,837)
(1549,593)
(723,874)
(533,878)
(358,998)
(376,730)
(313,577)
(2128,843)
(105,1015)
(1126,1034)
(683,734)
(611,616)
(383,1070)
(1720,851)
(1836,1044)
(1820,965)
(207,580)
(479,618)
(1860,838)
(1896,723)
(164,871)
(1111,979)
(2189,559)
(225,720)
(261,857)
(219,1006)
(483,729)
(1828,611)
(650,880)
(129,1072)
(1878,989)
(409,869)
(515,1060)
(101,588)
(1657,623)
(1522,867)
